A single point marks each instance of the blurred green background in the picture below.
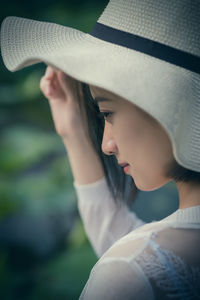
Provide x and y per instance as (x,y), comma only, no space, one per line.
(44,251)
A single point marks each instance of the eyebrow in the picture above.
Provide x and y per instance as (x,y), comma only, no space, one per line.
(101,99)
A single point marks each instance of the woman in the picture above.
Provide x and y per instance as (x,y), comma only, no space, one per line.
(139,70)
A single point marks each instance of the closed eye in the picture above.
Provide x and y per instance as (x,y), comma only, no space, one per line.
(105,114)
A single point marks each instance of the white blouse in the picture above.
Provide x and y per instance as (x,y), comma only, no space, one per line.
(157,260)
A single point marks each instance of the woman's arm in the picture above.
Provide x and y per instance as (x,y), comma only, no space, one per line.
(64,95)
(85,163)
(104,221)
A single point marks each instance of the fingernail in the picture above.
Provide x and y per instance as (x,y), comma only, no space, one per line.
(48,90)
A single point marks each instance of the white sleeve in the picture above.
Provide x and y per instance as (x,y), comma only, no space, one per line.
(104,221)
(116,279)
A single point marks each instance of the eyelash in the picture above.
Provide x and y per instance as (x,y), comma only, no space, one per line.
(105,114)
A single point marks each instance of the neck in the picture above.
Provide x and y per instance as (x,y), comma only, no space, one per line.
(189,194)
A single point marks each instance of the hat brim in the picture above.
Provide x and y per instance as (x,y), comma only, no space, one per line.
(148,82)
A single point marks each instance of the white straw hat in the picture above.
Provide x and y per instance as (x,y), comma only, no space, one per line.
(147,51)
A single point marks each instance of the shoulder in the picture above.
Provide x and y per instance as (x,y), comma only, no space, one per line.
(117,275)
(154,259)
(115,278)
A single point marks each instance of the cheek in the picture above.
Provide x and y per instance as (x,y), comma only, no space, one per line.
(130,133)
(140,138)
(140,143)
(146,148)
(129,138)
(120,131)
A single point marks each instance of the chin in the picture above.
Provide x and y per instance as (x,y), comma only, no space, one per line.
(149,186)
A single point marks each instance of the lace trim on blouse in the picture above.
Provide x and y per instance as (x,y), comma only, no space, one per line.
(170,273)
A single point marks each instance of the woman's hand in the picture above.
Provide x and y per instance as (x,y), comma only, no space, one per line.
(65,98)
(69,114)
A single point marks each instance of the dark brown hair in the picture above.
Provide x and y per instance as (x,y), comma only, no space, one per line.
(179,173)
(121,185)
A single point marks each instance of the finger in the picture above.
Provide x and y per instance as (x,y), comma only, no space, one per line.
(64,82)
(50,73)
(45,87)
(68,84)
(42,83)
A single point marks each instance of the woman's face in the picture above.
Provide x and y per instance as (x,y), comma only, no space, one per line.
(136,138)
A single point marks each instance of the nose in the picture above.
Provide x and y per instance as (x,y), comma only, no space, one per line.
(108,145)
